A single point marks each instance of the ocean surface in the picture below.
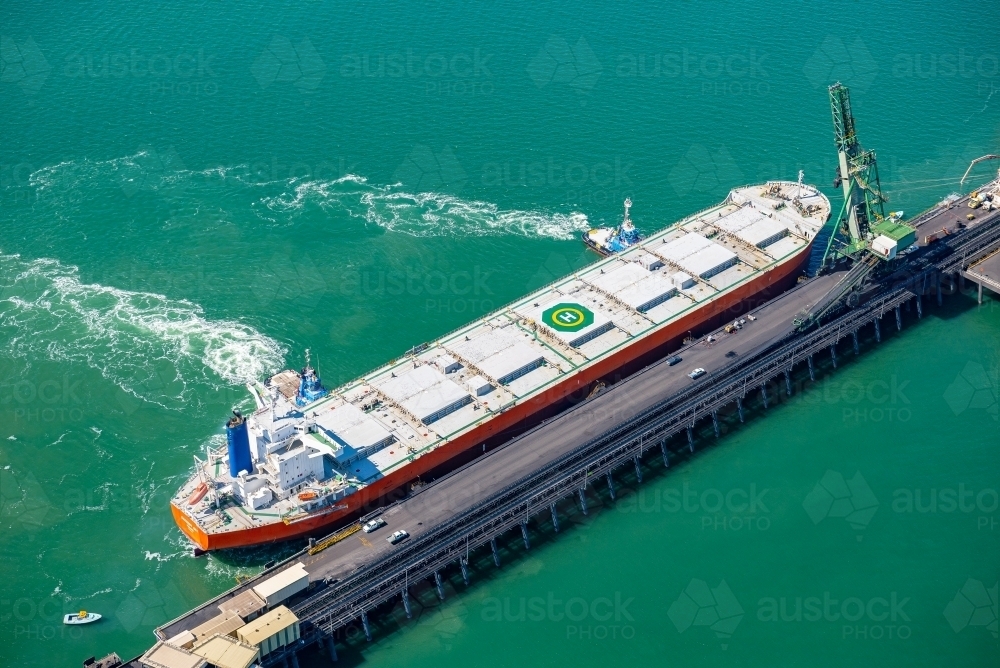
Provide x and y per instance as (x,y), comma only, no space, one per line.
(192,194)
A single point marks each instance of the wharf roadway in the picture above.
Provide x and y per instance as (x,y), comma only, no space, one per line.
(440,502)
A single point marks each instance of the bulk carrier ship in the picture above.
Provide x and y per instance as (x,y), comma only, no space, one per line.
(308,457)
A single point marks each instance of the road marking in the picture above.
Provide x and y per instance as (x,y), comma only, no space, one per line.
(364,541)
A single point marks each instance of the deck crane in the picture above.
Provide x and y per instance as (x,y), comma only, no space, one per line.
(862,234)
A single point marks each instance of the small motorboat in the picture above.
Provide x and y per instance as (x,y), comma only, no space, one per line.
(308,495)
(82,617)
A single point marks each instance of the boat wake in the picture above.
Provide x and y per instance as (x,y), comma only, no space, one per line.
(69,598)
(151,346)
(146,169)
(428,214)
(282,198)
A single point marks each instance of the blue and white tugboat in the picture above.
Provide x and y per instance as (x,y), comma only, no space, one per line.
(310,386)
(611,240)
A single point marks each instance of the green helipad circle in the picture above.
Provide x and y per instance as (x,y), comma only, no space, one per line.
(568,317)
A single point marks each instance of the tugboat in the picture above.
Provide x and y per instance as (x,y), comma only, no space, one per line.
(310,386)
(610,240)
(82,617)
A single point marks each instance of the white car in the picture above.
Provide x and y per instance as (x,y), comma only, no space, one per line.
(398,536)
(374,524)
(697,373)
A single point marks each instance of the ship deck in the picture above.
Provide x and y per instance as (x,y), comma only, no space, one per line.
(446,388)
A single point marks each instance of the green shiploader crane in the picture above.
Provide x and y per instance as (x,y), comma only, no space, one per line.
(858,173)
(861,234)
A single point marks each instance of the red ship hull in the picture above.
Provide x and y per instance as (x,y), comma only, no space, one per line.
(723,308)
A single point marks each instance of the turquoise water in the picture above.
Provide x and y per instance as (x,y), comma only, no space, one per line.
(193,195)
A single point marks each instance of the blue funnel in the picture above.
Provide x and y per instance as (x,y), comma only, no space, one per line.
(239,445)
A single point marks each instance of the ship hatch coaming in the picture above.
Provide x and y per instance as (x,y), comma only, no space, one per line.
(426,393)
(500,355)
(516,360)
(354,431)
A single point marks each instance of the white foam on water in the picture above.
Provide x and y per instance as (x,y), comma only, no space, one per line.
(427,214)
(390,207)
(151,346)
(58,591)
(145,489)
(99,592)
(70,173)
(228,572)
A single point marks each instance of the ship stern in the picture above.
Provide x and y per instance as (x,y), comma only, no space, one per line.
(189,527)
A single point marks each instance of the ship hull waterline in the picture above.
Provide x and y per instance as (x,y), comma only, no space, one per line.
(776,280)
